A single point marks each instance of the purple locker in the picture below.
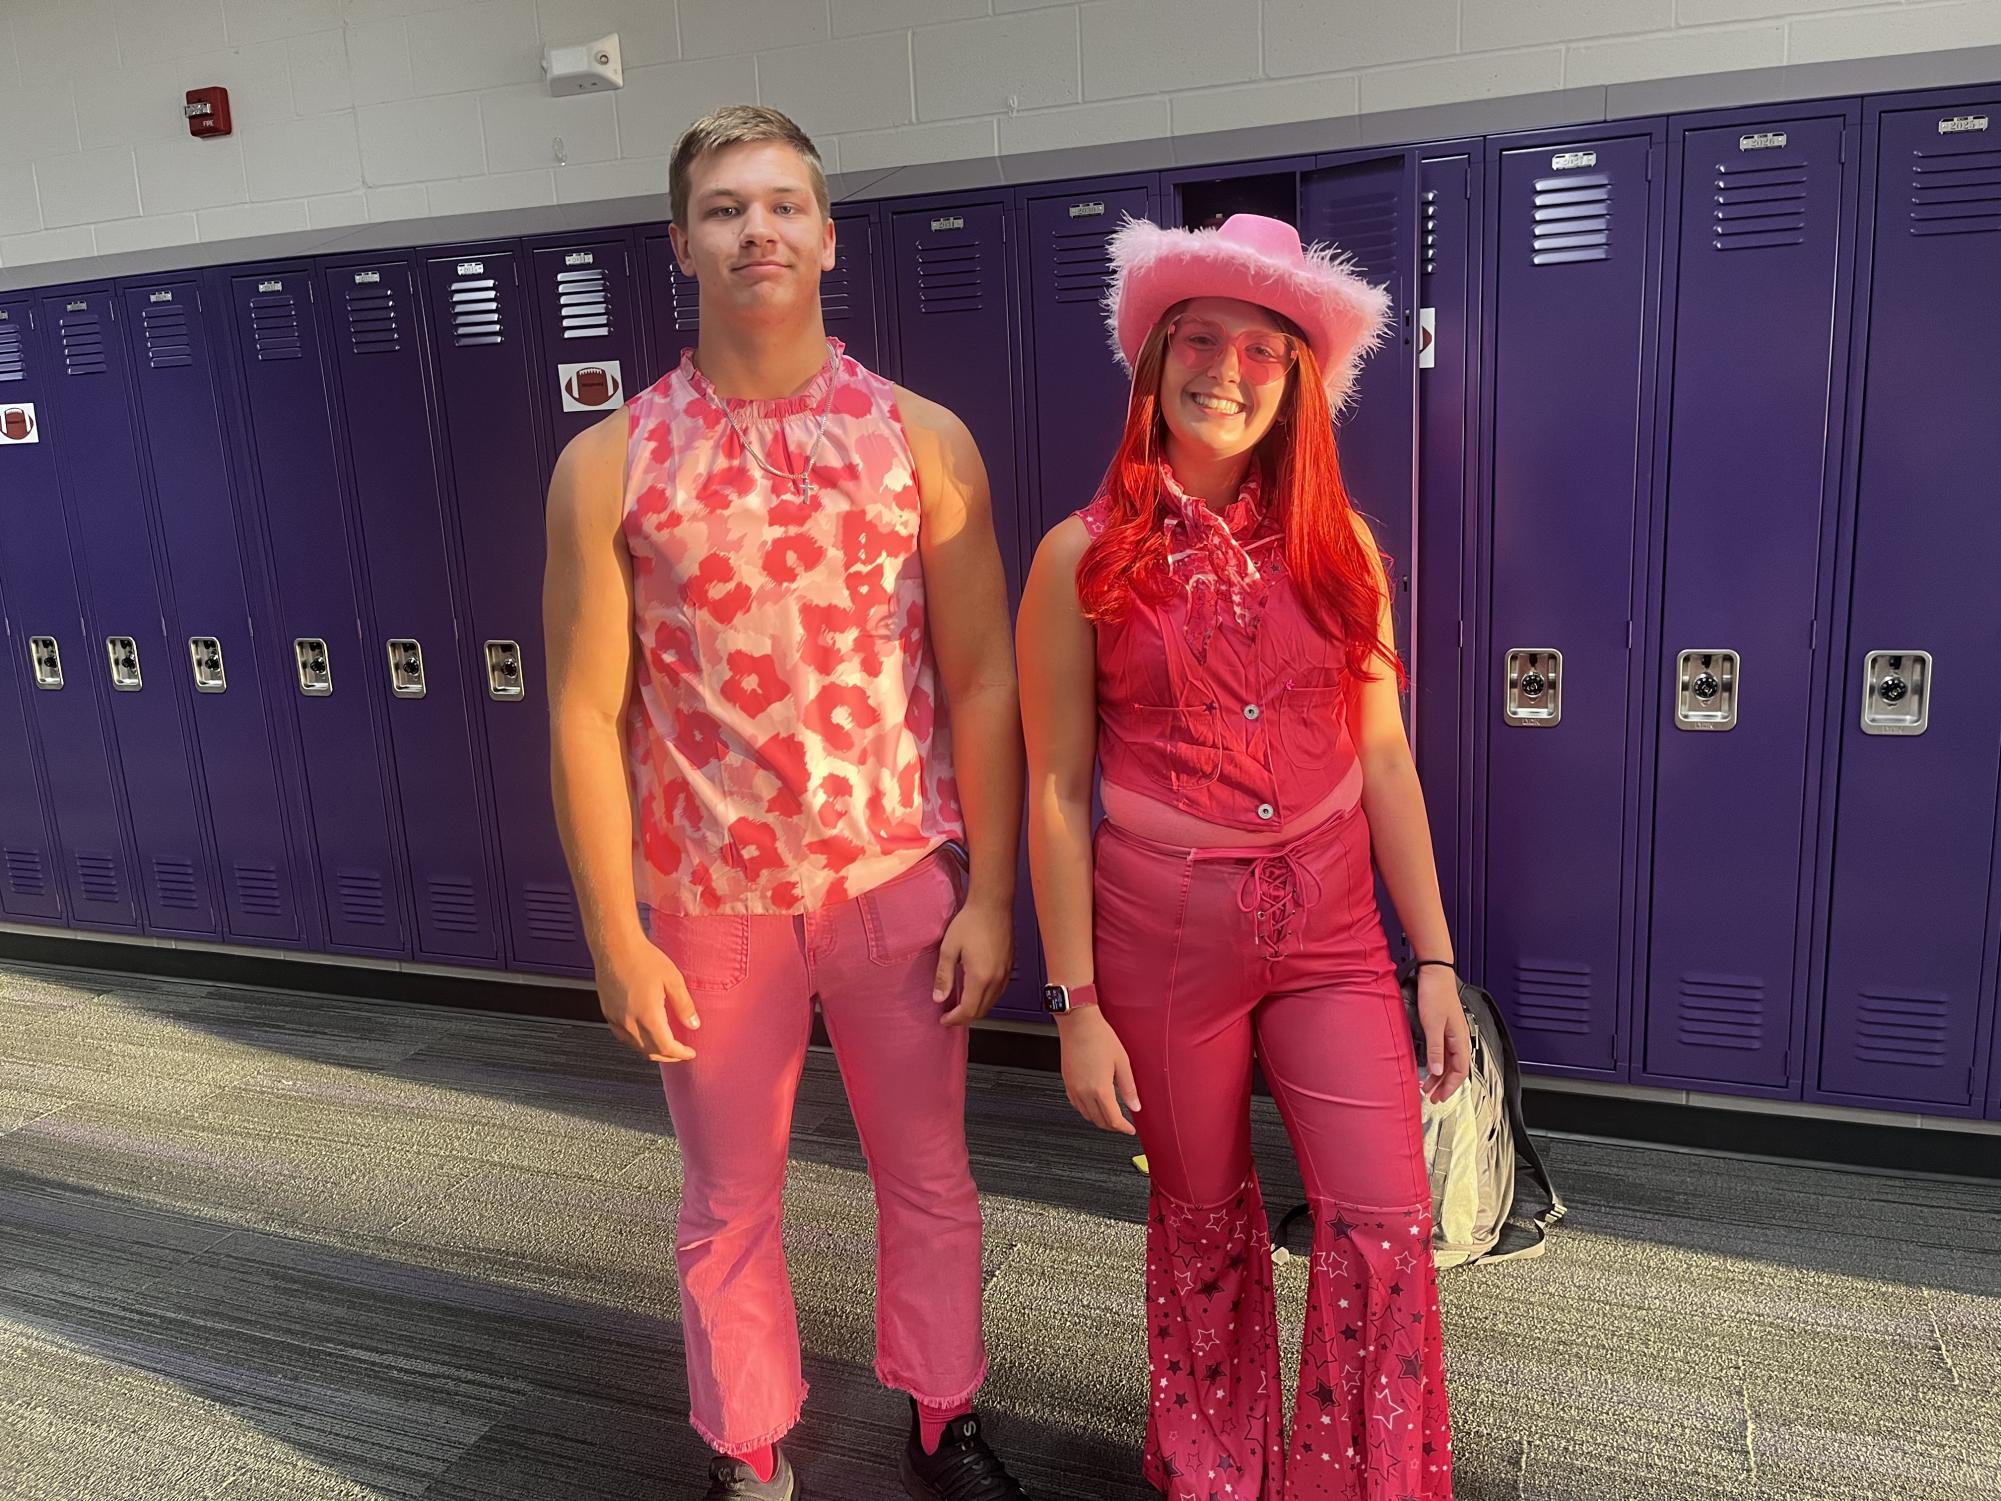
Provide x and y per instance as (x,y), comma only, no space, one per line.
(956,337)
(1912,912)
(59,678)
(30,878)
(850,303)
(29,888)
(488,394)
(1755,305)
(587,300)
(673,304)
(1367,204)
(315,603)
(1571,253)
(1080,393)
(413,662)
(211,647)
(1439,663)
(129,652)
(956,325)
(850,300)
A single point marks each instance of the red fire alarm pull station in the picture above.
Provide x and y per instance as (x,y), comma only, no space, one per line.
(207,111)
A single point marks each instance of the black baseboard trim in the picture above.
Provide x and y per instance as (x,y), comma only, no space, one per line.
(1837,1143)
(276,971)
(1708,1128)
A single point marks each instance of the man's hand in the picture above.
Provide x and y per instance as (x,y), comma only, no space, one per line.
(638,987)
(977,955)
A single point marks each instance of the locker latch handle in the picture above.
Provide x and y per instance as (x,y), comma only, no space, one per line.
(1707,684)
(1896,692)
(205,652)
(504,677)
(315,667)
(47,658)
(124,654)
(1533,693)
(406,668)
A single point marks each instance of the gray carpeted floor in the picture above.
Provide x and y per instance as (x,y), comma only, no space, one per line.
(268,1248)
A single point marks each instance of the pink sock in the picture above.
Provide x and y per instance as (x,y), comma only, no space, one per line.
(763,1462)
(931,1423)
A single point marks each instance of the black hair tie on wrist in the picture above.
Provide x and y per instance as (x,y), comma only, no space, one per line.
(1441,963)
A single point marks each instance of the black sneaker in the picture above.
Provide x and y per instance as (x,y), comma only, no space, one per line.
(963,1469)
(733,1480)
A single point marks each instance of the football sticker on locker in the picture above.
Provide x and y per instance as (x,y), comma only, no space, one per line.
(1427,337)
(17,423)
(594,387)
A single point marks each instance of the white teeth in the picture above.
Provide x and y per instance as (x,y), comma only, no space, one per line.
(1216,403)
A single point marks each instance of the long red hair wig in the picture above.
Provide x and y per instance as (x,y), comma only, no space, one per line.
(1299,468)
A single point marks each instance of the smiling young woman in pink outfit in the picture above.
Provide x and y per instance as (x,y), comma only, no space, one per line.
(1211,634)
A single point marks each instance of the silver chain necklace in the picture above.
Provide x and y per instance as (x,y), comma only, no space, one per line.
(803,479)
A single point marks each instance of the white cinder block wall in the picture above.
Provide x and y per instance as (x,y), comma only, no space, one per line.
(355,110)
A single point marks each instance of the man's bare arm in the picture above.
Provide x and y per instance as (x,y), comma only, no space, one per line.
(965,589)
(587,631)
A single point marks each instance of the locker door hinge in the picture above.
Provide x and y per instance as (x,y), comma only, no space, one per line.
(1629,635)
(1813,634)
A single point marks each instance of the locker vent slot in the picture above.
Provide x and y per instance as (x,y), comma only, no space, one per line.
(97,877)
(1551,996)
(166,329)
(476,312)
(836,290)
(1081,264)
(25,876)
(373,326)
(584,301)
(361,898)
(685,296)
(1573,219)
(552,913)
(174,884)
(1956,192)
(83,344)
(12,365)
(1366,228)
(274,327)
(1761,207)
(949,278)
(453,907)
(257,889)
(1907,1028)
(1721,1011)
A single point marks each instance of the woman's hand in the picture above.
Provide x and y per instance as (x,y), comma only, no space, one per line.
(1097,1075)
(1448,1048)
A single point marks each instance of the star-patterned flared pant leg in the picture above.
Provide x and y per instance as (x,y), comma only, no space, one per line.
(1206,958)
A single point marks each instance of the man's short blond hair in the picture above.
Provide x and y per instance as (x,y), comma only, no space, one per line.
(738,125)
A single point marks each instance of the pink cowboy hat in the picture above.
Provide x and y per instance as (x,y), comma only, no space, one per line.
(1253,259)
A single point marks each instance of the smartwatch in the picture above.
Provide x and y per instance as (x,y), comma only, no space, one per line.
(1059,1000)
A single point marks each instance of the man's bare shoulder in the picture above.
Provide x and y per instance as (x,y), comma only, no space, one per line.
(590,471)
(941,443)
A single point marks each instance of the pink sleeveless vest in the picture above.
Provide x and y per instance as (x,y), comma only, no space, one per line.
(1242,723)
(786,740)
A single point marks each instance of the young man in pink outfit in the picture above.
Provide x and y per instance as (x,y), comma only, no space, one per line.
(786,751)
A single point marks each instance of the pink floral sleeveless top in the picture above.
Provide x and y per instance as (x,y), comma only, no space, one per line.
(786,740)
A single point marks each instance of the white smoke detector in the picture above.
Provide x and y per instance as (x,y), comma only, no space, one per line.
(588,69)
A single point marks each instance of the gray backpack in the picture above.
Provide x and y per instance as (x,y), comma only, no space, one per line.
(1477,1147)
